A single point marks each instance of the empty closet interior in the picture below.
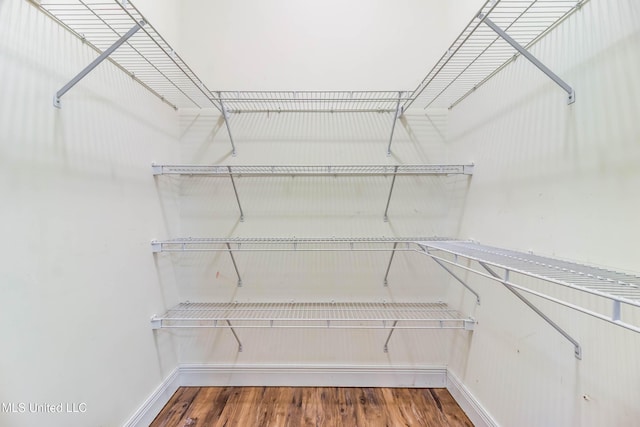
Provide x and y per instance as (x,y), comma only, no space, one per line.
(416,194)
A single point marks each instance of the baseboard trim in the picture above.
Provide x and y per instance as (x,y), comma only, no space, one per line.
(477,413)
(154,404)
(312,376)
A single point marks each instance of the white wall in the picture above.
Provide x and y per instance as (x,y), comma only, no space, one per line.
(77,278)
(561,181)
(318,45)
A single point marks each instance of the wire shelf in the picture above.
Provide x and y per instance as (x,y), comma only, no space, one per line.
(240,244)
(312,101)
(146,56)
(343,170)
(478,52)
(604,283)
(352,315)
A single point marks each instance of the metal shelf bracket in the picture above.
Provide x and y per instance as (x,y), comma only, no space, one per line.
(225,115)
(524,52)
(104,55)
(505,282)
(398,113)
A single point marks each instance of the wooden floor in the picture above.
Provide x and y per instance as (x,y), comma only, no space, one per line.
(310,406)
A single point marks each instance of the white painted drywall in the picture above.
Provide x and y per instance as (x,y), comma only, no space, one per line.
(561,181)
(78,282)
(318,45)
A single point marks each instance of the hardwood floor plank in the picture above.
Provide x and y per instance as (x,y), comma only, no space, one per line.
(174,411)
(311,407)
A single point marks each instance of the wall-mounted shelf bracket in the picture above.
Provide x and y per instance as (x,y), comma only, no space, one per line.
(386,343)
(386,274)
(104,55)
(505,282)
(235,336)
(225,115)
(235,266)
(454,275)
(524,52)
(235,191)
(393,181)
(398,113)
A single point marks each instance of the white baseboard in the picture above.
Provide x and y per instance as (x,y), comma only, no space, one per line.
(311,376)
(154,404)
(478,415)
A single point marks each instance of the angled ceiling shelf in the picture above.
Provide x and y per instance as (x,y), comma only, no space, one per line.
(347,315)
(233,172)
(500,32)
(120,34)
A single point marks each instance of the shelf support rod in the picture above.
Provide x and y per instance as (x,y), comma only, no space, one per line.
(576,344)
(225,115)
(386,343)
(455,276)
(235,191)
(104,55)
(524,52)
(235,335)
(396,115)
(393,181)
(393,252)
(235,266)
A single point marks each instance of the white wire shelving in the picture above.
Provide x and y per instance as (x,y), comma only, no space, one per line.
(313,315)
(482,49)
(504,266)
(143,53)
(234,172)
(312,101)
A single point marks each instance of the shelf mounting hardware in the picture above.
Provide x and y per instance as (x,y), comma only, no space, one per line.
(393,181)
(235,191)
(455,276)
(524,52)
(505,282)
(104,55)
(386,275)
(386,343)
(225,115)
(235,336)
(396,116)
(235,266)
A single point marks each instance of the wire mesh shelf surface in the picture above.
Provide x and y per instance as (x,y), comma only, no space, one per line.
(609,284)
(360,315)
(478,52)
(301,170)
(312,101)
(146,56)
(238,244)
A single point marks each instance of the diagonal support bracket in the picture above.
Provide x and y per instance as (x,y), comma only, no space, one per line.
(386,343)
(235,191)
(235,266)
(225,115)
(393,182)
(386,274)
(505,282)
(396,116)
(455,276)
(524,52)
(104,55)
(233,331)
